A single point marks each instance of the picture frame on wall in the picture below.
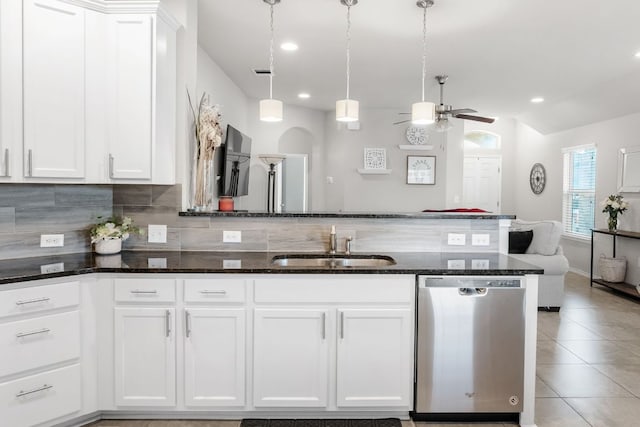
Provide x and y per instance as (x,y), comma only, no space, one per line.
(375,158)
(421,170)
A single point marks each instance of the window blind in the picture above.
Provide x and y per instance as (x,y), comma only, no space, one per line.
(579,188)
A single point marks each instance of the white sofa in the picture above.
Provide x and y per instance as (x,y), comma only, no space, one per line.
(546,253)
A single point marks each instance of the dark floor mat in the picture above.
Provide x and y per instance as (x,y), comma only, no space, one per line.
(262,422)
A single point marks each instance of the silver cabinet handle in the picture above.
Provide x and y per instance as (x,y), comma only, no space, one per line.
(168,323)
(139,292)
(26,334)
(30,163)
(342,325)
(33,301)
(187,322)
(110,166)
(324,325)
(6,163)
(208,292)
(35,390)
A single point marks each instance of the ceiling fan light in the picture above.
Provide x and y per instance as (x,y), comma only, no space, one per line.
(270,110)
(347,110)
(423,113)
(443,125)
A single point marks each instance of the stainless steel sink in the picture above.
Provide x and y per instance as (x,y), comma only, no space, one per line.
(332,261)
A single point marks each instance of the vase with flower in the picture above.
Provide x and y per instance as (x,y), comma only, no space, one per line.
(107,236)
(614,205)
(208,134)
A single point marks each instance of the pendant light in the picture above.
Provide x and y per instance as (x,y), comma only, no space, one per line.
(347,109)
(271,109)
(423,113)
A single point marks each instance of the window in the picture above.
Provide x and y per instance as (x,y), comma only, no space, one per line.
(481,140)
(579,191)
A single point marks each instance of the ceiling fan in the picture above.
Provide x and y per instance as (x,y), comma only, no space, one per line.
(443,111)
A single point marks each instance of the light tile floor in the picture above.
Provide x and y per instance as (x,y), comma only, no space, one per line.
(588,365)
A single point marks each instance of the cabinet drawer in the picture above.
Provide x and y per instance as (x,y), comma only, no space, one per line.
(33,343)
(39,298)
(145,290)
(322,289)
(39,398)
(214,290)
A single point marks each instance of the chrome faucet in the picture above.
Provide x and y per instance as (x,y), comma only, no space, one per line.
(347,245)
(333,240)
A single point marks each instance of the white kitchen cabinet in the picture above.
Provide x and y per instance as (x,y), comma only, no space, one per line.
(145,356)
(291,358)
(374,341)
(54,89)
(214,357)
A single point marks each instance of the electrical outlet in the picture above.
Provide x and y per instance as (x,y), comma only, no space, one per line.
(51,240)
(157,233)
(480,240)
(456,264)
(479,264)
(455,239)
(231,263)
(157,262)
(232,236)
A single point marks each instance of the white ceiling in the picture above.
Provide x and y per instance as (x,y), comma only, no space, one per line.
(577,54)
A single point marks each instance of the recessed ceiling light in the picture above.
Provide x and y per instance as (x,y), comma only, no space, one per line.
(289,46)
(537,100)
(304,95)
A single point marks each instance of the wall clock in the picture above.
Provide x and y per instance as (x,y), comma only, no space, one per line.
(417,135)
(537,178)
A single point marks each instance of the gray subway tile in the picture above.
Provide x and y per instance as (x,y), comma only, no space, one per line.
(132,195)
(83,195)
(55,220)
(27,195)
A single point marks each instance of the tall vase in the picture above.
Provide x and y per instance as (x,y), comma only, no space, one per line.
(612,222)
(203,184)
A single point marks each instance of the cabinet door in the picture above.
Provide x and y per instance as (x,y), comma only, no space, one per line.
(214,357)
(145,356)
(130,96)
(375,358)
(290,358)
(54,89)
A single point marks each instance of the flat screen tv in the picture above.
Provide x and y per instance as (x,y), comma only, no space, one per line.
(235,163)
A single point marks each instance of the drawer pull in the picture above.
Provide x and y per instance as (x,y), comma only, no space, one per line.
(28,334)
(324,325)
(35,390)
(187,323)
(33,301)
(139,292)
(208,292)
(168,323)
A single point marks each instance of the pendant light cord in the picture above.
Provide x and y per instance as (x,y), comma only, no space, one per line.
(348,48)
(271,60)
(424,49)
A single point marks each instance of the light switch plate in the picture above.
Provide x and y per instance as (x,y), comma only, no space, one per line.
(231,236)
(456,239)
(51,240)
(480,239)
(157,233)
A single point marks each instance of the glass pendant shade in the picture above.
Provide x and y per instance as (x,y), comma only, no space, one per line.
(347,110)
(270,110)
(423,113)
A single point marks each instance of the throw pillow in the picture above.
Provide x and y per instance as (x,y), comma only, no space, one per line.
(519,241)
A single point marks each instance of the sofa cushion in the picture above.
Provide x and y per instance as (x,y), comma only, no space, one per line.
(546,235)
(519,241)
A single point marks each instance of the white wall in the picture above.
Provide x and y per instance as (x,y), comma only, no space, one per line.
(609,136)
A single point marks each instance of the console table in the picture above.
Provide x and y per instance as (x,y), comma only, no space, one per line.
(625,288)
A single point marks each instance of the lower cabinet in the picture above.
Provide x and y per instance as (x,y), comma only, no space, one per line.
(145,356)
(291,358)
(214,357)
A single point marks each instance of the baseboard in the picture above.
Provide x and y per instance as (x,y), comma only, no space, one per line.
(579,272)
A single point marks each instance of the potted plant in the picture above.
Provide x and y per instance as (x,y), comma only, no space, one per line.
(107,236)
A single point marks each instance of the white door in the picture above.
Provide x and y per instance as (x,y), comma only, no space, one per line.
(145,356)
(130,100)
(482,183)
(54,89)
(294,183)
(214,357)
(291,358)
(375,358)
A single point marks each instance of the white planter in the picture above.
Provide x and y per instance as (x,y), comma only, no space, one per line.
(108,246)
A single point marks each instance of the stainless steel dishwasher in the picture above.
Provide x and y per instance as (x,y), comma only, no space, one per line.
(470,348)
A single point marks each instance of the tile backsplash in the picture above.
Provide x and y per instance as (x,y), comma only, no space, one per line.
(28,210)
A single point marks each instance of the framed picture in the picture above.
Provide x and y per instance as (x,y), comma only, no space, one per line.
(421,170)
(375,158)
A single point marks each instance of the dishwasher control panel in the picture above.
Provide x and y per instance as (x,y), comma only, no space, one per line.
(468,282)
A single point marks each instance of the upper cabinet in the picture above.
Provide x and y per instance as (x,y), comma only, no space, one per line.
(54,89)
(89,92)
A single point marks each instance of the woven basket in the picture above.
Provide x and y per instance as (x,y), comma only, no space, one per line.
(612,269)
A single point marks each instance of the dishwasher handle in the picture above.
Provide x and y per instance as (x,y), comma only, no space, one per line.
(472,292)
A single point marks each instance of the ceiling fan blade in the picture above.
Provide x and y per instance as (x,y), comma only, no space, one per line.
(475,118)
(403,121)
(462,111)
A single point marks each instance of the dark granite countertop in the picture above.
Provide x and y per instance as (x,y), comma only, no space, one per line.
(333,215)
(24,269)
